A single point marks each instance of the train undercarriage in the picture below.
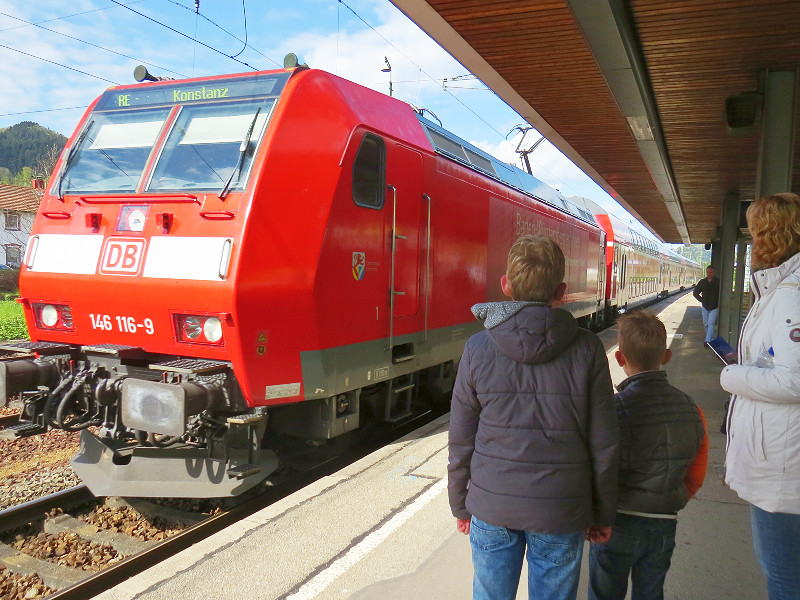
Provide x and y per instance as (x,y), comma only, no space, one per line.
(167,426)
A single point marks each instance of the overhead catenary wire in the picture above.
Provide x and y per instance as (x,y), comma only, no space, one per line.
(44,110)
(52,62)
(244,14)
(196,41)
(92,44)
(78,14)
(430,77)
(225,31)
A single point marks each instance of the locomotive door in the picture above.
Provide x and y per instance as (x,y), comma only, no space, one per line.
(404,196)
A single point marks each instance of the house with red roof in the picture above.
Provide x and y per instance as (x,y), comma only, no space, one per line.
(18,206)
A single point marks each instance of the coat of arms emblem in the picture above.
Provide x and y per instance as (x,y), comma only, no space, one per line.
(359,265)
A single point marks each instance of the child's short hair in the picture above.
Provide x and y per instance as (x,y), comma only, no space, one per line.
(535,268)
(642,339)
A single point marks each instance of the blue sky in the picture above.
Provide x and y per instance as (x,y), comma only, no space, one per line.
(97,43)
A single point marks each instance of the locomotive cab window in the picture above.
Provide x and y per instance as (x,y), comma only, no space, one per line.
(211,147)
(369,172)
(110,154)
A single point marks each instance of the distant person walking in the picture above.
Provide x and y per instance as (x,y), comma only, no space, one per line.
(707,292)
(763,454)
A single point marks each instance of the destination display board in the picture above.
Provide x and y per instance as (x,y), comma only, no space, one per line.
(257,86)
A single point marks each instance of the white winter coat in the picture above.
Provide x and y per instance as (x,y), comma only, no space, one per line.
(763,457)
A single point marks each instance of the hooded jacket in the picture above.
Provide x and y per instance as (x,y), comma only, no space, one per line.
(763,459)
(533,426)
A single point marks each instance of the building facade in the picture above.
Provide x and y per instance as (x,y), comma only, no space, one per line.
(18,206)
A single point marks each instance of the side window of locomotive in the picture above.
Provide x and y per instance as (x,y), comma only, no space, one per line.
(110,154)
(369,172)
(206,148)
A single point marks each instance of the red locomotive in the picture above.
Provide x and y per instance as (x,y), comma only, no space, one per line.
(282,252)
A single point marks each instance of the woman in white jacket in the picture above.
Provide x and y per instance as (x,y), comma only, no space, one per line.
(763,449)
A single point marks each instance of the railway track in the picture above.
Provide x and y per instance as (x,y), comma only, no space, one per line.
(155,552)
(9,420)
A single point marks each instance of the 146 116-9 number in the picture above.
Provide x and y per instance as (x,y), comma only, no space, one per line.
(124,324)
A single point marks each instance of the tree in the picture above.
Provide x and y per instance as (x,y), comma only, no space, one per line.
(24,145)
(43,167)
(23,178)
(695,252)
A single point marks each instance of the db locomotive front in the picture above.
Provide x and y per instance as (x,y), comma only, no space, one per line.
(220,260)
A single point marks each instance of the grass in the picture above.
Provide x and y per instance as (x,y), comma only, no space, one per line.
(12,321)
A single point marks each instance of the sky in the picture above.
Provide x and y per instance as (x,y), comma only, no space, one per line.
(56,57)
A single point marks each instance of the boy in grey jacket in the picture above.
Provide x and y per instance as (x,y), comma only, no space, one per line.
(533,434)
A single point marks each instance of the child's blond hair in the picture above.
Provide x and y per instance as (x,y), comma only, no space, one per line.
(535,268)
(642,340)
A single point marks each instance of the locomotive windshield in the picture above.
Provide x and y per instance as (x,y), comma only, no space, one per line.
(213,129)
(208,147)
(112,152)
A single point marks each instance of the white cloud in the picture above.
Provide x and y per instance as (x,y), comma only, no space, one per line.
(359,56)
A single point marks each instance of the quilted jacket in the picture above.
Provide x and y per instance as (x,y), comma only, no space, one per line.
(533,426)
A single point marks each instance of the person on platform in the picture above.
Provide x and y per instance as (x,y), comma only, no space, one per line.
(763,445)
(662,463)
(533,436)
(707,292)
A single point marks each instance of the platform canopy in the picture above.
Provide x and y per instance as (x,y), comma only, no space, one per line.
(634,91)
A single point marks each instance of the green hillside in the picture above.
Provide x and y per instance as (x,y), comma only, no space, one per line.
(28,144)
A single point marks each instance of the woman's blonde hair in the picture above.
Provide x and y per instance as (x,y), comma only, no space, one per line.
(535,268)
(774,223)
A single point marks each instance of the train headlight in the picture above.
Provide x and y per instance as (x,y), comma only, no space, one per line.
(53,316)
(212,329)
(199,329)
(192,327)
(49,315)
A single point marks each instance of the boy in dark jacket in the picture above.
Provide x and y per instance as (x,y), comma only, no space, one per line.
(663,457)
(533,434)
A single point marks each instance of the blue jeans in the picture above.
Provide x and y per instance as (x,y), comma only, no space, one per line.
(709,322)
(640,547)
(776,541)
(554,562)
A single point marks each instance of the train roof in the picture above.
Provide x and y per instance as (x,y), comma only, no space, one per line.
(455,148)
(623,233)
(450,145)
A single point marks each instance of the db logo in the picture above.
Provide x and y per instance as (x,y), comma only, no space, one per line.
(122,256)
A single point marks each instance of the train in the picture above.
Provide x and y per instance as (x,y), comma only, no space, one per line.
(220,262)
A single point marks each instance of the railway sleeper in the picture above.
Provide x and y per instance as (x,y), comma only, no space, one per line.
(121,542)
(54,576)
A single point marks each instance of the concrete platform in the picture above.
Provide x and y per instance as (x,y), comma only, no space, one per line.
(382,528)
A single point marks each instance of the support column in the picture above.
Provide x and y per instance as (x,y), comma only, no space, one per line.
(777,133)
(774,174)
(716,242)
(728,311)
(737,296)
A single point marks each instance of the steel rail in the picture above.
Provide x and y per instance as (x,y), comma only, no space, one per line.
(137,563)
(17,516)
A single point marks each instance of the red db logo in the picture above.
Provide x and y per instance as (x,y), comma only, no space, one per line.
(122,256)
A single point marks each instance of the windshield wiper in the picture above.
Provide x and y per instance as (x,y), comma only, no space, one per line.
(70,158)
(242,153)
